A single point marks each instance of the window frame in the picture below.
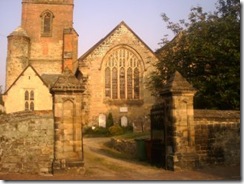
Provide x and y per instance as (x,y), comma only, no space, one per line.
(29,100)
(126,62)
(47,33)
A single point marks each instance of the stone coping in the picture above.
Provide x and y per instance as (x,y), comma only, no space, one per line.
(8,118)
(221,114)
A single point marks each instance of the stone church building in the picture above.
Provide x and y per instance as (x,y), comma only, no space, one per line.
(52,93)
(43,54)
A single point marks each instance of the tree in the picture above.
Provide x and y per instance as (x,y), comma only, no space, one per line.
(206,51)
(110,121)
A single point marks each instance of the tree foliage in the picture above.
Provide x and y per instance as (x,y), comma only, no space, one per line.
(110,120)
(206,51)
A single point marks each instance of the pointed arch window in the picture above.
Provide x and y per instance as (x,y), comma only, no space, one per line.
(46,23)
(122,75)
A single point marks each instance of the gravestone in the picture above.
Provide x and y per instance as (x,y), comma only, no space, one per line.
(124,121)
(102,120)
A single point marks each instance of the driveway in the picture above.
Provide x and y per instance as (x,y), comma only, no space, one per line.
(101,163)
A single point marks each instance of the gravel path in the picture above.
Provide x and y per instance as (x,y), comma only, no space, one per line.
(99,165)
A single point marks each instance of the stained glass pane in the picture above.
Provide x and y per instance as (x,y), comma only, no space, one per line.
(107,83)
(129,83)
(136,84)
(114,83)
(122,83)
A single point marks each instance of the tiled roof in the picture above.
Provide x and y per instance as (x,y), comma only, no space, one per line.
(50,79)
(67,82)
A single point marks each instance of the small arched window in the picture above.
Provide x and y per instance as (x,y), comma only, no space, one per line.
(26,106)
(32,106)
(26,95)
(29,100)
(32,95)
(46,23)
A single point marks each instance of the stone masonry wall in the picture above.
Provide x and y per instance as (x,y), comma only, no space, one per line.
(124,146)
(217,136)
(26,142)
(93,67)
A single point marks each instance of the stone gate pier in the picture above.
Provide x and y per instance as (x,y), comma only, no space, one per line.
(179,123)
(68,149)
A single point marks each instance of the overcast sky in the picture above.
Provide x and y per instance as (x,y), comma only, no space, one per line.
(94,19)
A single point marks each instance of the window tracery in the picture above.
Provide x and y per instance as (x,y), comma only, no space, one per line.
(122,75)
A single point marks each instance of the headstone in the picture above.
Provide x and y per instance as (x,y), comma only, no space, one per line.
(124,121)
(102,120)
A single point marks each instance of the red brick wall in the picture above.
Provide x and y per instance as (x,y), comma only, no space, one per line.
(47,49)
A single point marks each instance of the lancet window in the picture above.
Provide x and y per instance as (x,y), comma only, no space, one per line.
(46,23)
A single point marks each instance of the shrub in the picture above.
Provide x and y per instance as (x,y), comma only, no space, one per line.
(96,131)
(116,130)
(128,129)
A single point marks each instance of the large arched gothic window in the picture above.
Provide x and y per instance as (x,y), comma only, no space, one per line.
(122,75)
(46,23)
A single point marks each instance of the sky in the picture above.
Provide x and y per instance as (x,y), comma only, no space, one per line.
(94,19)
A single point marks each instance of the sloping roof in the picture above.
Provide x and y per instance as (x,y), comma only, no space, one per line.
(19,31)
(67,82)
(29,66)
(108,35)
(177,83)
(50,79)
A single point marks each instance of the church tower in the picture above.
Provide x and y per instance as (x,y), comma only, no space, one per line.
(54,42)
(46,39)
(17,55)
